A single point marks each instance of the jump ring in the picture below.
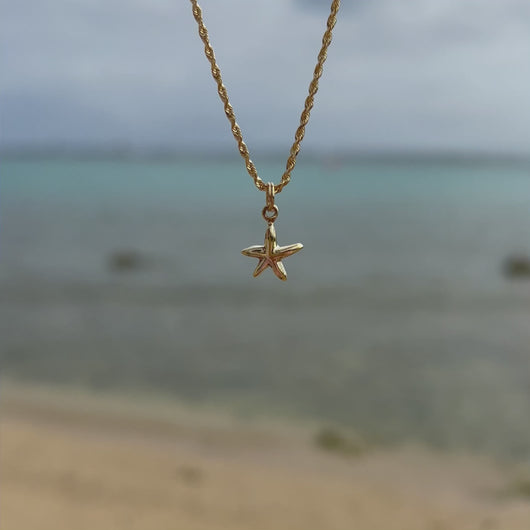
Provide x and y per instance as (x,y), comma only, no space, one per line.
(267,215)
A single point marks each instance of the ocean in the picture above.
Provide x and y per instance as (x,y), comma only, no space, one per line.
(392,222)
(396,317)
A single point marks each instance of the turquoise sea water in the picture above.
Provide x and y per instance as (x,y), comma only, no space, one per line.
(395,221)
(396,318)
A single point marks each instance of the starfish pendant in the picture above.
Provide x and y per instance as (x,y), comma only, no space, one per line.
(271,254)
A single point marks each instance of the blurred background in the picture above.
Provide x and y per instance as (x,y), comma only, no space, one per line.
(149,382)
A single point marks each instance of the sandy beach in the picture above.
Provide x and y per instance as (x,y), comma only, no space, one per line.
(72,460)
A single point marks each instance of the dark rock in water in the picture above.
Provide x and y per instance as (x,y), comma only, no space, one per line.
(126,261)
(517,266)
(330,439)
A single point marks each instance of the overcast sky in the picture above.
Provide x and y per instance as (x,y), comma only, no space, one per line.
(401,74)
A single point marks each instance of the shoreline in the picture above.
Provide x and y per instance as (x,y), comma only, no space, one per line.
(84,461)
(137,415)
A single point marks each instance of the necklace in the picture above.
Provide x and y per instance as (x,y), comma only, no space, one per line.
(270,254)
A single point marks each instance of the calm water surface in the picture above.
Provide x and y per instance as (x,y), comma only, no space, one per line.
(396,318)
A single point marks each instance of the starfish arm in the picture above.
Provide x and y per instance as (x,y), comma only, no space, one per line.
(262,265)
(256,251)
(279,269)
(288,250)
(270,240)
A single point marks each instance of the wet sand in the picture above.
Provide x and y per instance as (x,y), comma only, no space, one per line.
(70,460)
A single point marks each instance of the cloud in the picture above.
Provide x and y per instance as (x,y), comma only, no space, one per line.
(436,74)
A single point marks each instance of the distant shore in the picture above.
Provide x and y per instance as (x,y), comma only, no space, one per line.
(169,154)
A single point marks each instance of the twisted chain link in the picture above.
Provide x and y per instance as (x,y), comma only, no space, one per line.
(308,105)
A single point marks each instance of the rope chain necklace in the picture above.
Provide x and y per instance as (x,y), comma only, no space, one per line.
(270,254)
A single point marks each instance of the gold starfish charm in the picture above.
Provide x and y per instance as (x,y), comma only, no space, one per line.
(271,254)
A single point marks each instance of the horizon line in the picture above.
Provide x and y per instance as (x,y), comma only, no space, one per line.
(131,152)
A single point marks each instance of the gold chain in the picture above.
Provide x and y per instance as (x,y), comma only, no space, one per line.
(308,105)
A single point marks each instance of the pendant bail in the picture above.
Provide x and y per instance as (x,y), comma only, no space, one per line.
(270,211)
